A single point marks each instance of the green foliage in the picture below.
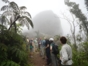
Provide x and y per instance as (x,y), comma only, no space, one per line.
(80,58)
(57,37)
(9,63)
(12,49)
(3,52)
(86,3)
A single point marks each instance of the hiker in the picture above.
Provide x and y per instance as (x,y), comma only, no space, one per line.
(43,48)
(34,47)
(36,44)
(39,42)
(65,53)
(31,46)
(47,51)
(54,51)
(27,44)
(40,46)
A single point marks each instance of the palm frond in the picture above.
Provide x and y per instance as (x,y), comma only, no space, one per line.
(21,21)
(6,19)
(27,23)
(3,19)
(14,6)
(6,1)
(5,7)
(23,8)
(66,1)
(7,13)
(28,14)
(29,20)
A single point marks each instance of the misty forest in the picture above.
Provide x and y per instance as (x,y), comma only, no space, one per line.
(14,42)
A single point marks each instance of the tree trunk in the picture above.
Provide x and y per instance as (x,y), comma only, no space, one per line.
(15,27)
(14,23)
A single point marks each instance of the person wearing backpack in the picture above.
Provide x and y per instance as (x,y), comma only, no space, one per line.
(65,53)
(54,51)
(31,46)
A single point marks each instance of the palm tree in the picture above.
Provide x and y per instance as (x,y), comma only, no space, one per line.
(16,14)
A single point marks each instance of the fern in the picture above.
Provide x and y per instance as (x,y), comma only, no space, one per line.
(3,52)
(12,50)
(20,54)
(5,7)
(14,6)
(23,8)
(9,63)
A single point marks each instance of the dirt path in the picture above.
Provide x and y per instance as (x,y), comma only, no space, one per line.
(37,60)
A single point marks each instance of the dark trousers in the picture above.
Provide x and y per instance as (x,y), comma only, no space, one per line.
(48,56)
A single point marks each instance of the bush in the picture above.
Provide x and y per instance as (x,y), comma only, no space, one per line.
(80,58)
(12,52)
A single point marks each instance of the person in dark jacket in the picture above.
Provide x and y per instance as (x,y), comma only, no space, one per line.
(47,51)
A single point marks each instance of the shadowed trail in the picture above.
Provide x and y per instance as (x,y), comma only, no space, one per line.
(37,60)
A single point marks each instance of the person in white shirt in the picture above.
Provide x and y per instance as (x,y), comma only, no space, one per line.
(65,53)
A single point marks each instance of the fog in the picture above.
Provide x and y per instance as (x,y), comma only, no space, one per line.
(46,23)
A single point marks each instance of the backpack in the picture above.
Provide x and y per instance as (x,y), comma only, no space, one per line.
(55,49)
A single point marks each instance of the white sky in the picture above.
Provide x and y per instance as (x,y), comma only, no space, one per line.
(57,6)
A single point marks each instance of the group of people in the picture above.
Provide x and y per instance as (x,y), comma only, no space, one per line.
(48,50)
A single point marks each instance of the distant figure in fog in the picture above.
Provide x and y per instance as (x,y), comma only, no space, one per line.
(36,44)
(27,44)
(65,52)
(31,46)
(43,48)
(39,42)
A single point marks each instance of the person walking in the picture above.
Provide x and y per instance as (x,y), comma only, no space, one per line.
(65,53)
(36,44)
(53,52)
(47,51)
(43,48)
(31,46)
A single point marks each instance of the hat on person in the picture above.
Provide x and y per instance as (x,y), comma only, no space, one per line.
(51,39)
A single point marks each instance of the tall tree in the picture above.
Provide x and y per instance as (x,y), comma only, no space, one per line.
(74,8)
(86,3)
(16,14)
(72,20)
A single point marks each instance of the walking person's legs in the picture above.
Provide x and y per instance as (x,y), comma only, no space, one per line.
(48,57)
(31,52)
(54,60)
(40,50)
(43,52)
